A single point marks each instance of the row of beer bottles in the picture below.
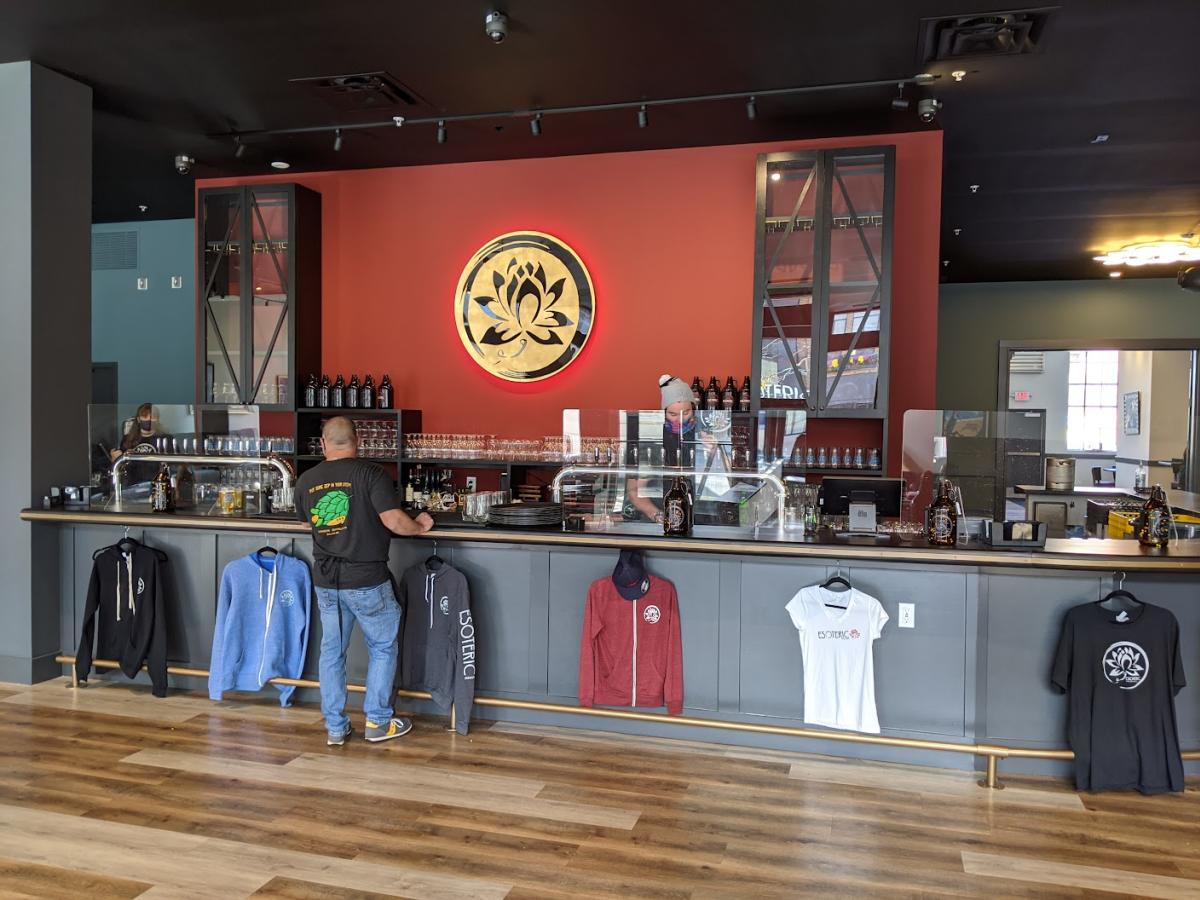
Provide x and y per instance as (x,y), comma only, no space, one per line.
(339,395)
(729,398)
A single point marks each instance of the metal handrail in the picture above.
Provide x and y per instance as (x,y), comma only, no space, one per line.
(285,471)
(766,477)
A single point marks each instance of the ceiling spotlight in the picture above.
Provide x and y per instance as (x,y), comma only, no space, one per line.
(928,108)
(1114,274)
(775,176)
(899,102)
(142,207)
(337,140)
(974,188)
(643,117)
(398,120)
(751,109)
(441,132)
(184,163)
(280,164)
(1151,253)
(239,149)
(1101,138)
(925,78)
(495,26)
(535,125)
(958,74)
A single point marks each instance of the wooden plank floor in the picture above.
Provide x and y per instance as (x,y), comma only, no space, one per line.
(109,792)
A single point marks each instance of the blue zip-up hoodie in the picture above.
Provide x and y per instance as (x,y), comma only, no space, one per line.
(262,625)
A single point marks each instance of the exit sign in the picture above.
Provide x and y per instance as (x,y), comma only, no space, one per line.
(1022,396)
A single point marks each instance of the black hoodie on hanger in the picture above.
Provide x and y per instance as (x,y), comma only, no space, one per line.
(124,614)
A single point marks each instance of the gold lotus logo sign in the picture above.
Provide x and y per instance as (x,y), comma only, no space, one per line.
(524,306)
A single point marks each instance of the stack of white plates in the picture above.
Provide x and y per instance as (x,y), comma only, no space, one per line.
(526,515)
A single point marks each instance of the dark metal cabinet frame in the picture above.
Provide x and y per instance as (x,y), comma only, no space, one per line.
(303,289)
(826,180)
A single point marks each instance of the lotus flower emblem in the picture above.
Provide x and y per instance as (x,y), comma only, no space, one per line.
(524,306)
(1125,665)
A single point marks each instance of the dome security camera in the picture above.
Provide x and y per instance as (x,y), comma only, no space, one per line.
(928,108)
(495,26)
(184,163)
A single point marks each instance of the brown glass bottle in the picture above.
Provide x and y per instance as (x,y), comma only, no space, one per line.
(712,396)
(366,394)
(310,391)
(337,396)
(1153,524)
(697,393)
(744,397)
(323,393)
(184,488)
(161,495)
(677,509)
(384,397)
(352,393)
(729,396)
(941,519)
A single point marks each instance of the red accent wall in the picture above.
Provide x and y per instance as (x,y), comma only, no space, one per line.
(668,236)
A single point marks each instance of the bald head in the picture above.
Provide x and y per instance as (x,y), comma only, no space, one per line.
(340,437)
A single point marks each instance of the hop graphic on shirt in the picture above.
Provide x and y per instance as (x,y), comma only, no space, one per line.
(652,614)
(1125,665)
(331,510)
(854,634)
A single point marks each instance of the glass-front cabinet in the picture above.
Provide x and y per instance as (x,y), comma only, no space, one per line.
(260,297)
(823,281)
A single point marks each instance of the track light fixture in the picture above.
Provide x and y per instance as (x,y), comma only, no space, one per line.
(641,106)
(239,149)
(337,140)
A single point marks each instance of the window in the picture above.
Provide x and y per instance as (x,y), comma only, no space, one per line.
(847,323)
(1092,401)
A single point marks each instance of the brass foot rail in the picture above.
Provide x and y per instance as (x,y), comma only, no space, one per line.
(992,753)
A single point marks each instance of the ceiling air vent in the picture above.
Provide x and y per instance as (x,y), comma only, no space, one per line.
(982,34)
(114,250)
(360,92)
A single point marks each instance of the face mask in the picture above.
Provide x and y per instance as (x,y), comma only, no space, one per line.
(678,426)
(145,426)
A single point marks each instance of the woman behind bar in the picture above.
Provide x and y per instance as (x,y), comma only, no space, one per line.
(682,433)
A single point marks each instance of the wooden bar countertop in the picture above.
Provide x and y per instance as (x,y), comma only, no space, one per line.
(1090,554)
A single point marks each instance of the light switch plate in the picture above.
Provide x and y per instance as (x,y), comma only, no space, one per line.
(143,284)
(176,282)
(471,484)
(907,615)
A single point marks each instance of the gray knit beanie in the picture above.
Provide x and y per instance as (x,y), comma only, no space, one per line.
(674,391)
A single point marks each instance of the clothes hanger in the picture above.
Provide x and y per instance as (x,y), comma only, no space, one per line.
(837,583)
(266,550)
(434,561)
(1120,600)
(126,544)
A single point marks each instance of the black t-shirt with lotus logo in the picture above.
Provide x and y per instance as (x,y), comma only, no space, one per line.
(1121,672)
(341,501)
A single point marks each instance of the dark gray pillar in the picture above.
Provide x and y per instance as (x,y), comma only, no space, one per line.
(45,343)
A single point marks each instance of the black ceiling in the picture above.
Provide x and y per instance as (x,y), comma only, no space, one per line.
(168,76)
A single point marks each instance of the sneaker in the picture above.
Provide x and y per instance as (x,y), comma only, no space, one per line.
(337,740)
(393,728)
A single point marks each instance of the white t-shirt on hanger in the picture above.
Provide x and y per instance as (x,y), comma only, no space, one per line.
(839,668)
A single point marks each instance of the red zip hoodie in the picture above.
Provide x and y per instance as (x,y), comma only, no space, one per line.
(631,653)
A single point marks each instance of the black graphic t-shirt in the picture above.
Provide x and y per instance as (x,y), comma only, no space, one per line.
(1122,672)
(342,499)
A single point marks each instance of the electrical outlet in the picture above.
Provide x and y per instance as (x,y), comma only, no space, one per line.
(470,484)
(908,615)
(143,284)
(176,282)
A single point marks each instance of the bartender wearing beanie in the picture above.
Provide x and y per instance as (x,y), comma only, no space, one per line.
(681,434)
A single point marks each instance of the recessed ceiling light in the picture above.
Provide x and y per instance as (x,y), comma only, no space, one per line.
(280,164)
(1101,138)
(1114,274)
(142,207)
(775,176)
(958,74)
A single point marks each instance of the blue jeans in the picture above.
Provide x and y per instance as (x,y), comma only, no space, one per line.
(378,615)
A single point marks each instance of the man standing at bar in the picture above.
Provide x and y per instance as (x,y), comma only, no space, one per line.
(350,505)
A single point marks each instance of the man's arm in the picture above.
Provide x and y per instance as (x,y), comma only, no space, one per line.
(399,522)
(647,507)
